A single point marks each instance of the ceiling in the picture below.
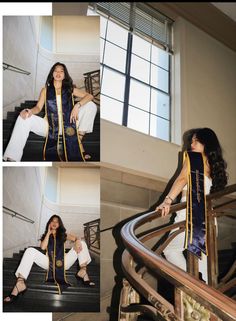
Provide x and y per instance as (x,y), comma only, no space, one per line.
(228,8)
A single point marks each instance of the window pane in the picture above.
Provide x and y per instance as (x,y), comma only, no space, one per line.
(159,128)
(102,43)
(160,104)
(141,47)
(117,34)
(103,26)
(160,57)
(115,57)
(138,120)
(113,84)
(140,68)
(111,109)
(159,78)
(139,95)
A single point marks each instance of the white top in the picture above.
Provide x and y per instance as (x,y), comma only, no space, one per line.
(181,215)
(59,108)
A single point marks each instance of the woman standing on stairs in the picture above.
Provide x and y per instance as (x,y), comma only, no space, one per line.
(203,172)
(56,261)
(65,122)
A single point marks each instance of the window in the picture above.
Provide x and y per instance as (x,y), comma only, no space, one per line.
(135,68)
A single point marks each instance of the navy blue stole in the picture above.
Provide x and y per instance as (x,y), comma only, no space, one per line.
(56,271)
(195,236)
(69,149)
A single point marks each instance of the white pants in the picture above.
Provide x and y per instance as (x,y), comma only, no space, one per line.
(32,256)
(174,251)
(39,126)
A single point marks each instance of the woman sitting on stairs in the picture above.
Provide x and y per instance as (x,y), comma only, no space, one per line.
(56,261)
(65,122)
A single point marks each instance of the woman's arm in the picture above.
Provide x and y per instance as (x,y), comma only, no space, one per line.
(85,98)
(36,109)
(44,242)
(176,188)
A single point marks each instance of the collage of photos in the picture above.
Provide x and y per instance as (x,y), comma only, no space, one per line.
(118,162)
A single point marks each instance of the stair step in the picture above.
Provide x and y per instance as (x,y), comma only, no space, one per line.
(34,305)
(93,137)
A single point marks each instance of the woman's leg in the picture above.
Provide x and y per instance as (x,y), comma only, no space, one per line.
(174,252)
(203,268)
(20,134)
(84,259)
(30,257)
(83,256)
(86,117)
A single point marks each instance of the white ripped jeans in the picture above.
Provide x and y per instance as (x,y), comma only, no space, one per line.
(32,256)
(39,126)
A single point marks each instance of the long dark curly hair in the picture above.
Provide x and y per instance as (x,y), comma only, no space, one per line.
(213,152)
(67,82)
(61,231)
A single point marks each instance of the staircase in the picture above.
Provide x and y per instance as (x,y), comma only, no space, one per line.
(226,259)
(44,297)
(33,150)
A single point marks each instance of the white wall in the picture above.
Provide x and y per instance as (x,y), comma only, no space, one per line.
(204,88)
(79,186)
(75,197)
(22,192)
(208,84)
(79,197)
(77,65)
(20,38)
(77,35)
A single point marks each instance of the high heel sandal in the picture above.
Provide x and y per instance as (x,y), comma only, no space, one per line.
(85,282)
(85,155)
(12,297)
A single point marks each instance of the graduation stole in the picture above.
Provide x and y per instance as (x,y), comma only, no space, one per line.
(70,148)
(196,221)
(56,270)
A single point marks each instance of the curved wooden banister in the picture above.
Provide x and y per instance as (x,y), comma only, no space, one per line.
(224,307)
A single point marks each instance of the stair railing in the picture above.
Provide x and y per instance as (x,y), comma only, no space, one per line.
(92,84)
(15,69)
(193,299)
(15,214)
(92,235)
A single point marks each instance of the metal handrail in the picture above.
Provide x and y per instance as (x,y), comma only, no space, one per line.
(17,215)
(15,69)
(135,249)
(92,235)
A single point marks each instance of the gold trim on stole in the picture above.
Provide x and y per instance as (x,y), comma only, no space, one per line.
(77,131)
(46,114)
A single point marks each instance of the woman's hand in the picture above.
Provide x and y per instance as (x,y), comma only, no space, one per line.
(74,114)
(164,207)
(49,230)
(26,113)
(78,246)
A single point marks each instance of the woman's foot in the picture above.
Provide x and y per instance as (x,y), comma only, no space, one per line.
(85,155)
(8,159)
(83,275)
(19,289)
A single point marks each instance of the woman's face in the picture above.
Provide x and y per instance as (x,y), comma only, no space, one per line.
(54,224)
(58,73)
(196,146)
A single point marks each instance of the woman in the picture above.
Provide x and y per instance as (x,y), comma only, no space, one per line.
(204,141)
(64,124)
(56,261)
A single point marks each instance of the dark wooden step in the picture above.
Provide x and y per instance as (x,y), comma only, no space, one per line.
(34,305)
